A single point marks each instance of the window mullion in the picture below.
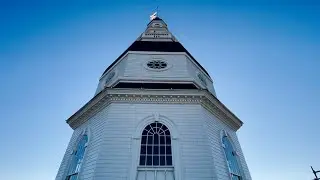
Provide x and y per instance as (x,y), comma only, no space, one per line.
(152,150)
(156,153)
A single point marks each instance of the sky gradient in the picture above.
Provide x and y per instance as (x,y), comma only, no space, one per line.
(264,58)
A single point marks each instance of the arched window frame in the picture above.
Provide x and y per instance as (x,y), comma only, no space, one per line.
(72,155)
(136,144)
(233,175)
(156,148)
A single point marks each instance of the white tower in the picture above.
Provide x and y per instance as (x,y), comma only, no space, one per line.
(154,116)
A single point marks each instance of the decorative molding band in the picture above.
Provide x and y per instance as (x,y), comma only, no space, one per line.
(202,97)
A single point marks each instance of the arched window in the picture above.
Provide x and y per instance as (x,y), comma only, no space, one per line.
(231,158)
(77,158)
(156,146)
(156,153)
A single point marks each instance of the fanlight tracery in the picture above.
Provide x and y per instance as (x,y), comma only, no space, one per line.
(156,146)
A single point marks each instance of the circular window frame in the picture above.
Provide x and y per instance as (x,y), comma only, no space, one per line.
(168,66)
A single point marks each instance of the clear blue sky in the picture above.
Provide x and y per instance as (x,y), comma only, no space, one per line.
(264,58)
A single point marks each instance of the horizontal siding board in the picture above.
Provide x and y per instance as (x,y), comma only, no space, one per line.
(135,66)
(109,154)
(214,128)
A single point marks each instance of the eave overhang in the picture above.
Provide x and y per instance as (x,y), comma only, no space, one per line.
(110,95)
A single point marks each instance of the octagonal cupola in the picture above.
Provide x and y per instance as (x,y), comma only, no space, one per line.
(157,30)
(156,60)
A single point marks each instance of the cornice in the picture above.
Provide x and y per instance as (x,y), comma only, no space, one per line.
(109,95)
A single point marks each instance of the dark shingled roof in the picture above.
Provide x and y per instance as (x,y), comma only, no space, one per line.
(156,46)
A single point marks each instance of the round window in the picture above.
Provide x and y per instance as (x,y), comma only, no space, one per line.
(157,64)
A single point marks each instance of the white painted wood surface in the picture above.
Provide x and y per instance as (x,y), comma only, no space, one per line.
(111,151)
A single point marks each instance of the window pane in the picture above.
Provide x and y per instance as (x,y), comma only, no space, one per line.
(156,160)
(77,157)
(147,128)
(144,132)
(73,177)
(149,150)
(167,132)
(156,139)
(162,160)
(161,132)
(143,149)
(164,127)
(235,177)
(231,158)
(162,150)
(156,149)
(142,160)
(169,160)
(149,160)
(168,150)
(168,140)
(153,125)
(144,140)
(162,139)
(150,139)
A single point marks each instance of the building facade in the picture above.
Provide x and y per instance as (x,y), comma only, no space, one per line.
(155,116)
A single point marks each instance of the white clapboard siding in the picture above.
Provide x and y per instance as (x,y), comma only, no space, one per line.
(66,158)
(118,70)
(94,130)
(133,67)
(214,128)
(115,151)
(193,73)
(115,155)
(136,66)
(110,150)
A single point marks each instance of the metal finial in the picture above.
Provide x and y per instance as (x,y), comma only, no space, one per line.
(155,14)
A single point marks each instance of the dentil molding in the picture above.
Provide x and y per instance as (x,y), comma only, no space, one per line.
(109,95)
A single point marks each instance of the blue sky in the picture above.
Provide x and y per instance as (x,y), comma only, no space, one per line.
(264,58)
